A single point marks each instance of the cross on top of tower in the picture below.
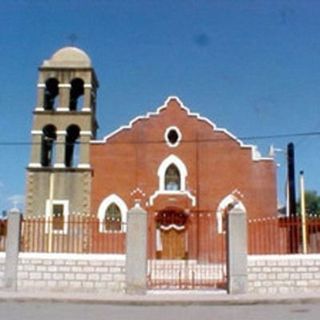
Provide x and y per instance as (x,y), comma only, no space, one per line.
(72,38)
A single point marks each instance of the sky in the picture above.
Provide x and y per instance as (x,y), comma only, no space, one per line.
(252,67)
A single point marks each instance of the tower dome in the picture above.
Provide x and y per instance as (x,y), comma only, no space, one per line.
(68,57)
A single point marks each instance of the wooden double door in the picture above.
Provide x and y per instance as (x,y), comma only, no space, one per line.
(172,226)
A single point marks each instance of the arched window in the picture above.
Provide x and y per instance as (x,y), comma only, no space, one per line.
(172,178)
(72,154)
(76,91)
(49,137)
(51,91)
(227,204)
(172,174)
(112,220)
(112,214)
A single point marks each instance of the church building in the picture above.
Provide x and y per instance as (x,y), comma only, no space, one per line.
(172,162)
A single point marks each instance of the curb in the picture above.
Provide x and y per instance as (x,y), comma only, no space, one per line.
(152,301)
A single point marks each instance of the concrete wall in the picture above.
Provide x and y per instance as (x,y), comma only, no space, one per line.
(69,185)
(71,272)
(2,263)
(271,274)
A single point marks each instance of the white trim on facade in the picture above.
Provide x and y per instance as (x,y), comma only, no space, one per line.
(62,109)
(39,109)
(172,159)
(87,85)
(172,145)
(61,132)
(34,165)
(64,85)
(84,166)
(59,165)
(230,199)
(49,211)
(36,132)
(106,202)
(85,109)
(255,155)
(85,133)
(41,85)
(71,256)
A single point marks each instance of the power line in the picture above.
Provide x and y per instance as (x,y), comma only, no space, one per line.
(262,137)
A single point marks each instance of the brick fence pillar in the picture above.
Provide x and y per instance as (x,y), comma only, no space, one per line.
(237,251)
(12,250)
(136,255)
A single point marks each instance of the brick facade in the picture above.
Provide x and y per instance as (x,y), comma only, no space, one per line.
(216,170)
(127,164)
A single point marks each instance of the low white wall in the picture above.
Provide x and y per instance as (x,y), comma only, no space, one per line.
(71,272)
(273,274)
(2,262)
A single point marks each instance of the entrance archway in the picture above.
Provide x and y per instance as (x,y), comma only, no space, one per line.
(171,234)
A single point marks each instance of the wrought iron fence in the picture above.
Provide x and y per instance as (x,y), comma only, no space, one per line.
(3,234)
(78,234)
(283,235)
(192,256)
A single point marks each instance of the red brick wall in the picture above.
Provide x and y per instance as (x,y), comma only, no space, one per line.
(216,165)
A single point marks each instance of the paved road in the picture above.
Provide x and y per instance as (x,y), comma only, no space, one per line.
(68,311)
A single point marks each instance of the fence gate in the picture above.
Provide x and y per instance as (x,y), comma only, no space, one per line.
(185,251)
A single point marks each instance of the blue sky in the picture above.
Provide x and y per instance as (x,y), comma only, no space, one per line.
(252,67)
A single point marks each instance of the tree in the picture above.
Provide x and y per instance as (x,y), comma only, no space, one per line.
(312,200)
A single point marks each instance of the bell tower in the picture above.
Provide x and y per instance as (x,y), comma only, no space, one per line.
(64,122)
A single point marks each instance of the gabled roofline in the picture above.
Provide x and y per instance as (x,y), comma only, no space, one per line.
(255,153)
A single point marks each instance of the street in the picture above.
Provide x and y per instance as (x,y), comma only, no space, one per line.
(68,311)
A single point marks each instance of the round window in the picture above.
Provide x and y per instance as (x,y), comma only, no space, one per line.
(173,136)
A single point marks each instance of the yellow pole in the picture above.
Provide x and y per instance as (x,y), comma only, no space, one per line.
(303,214)
(51,191)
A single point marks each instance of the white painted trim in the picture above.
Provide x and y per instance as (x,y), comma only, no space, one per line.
(172,159)
(172,226)
(172,145)
(39,109)
(84,166)
(85,133)
(61,132)
(301,257)
(71,256)
(87,85)
(255,156)
(85,109)
(41,85)
(59,165)
(37,132)
(173,193)
(34,165)
(229,199)
(64,85)
(62,109)
(113,198)
(65,204)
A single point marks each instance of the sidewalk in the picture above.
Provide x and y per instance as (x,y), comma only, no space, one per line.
(160,298)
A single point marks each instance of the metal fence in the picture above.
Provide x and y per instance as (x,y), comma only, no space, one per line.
(283,235)
(192,257)
(79,234)
(3,234)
